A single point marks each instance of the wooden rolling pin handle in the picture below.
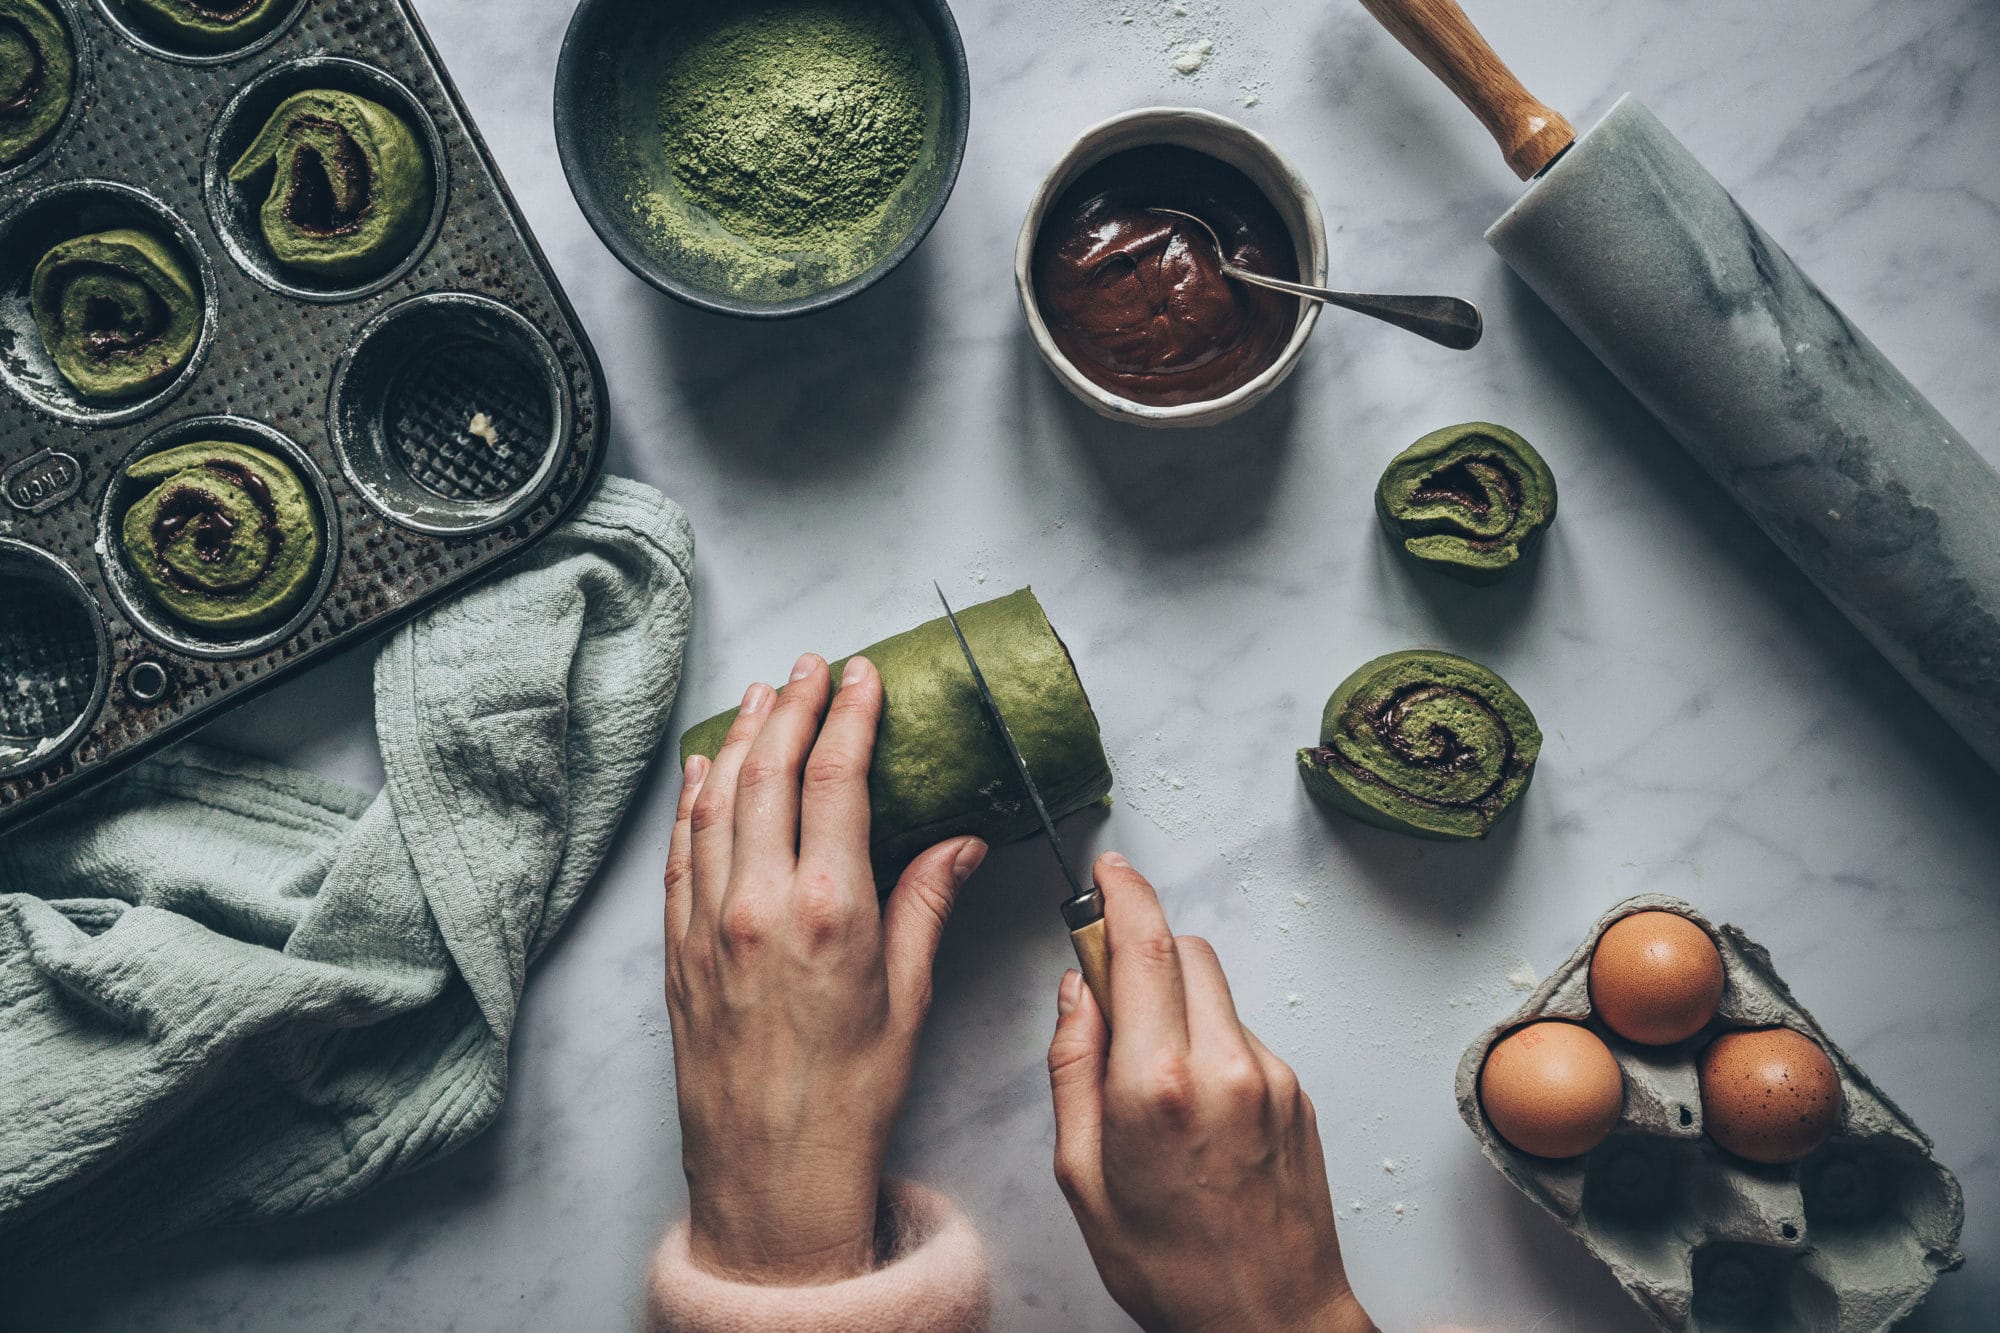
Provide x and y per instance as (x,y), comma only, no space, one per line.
(1438,33)
(1093,957)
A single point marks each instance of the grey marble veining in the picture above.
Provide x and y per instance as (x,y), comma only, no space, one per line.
(1826,445)
(1715,729)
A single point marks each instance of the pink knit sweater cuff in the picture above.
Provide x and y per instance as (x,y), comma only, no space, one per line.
(931,1277)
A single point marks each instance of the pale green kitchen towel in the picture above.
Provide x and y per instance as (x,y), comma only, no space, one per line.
(229,990)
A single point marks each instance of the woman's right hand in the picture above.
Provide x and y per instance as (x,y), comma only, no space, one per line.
(1187,1150)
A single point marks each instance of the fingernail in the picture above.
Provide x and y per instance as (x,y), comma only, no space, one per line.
(804,666)
(1069,992)
(968,859)
(856,671)
(1115,861)
(755,698)
(696,771)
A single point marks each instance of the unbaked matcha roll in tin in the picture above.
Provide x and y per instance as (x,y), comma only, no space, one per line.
(40,66)
(326,178)
(219,535)
(110,298)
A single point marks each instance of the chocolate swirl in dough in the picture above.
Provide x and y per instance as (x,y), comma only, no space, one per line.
(209,25)
(117,312)
(1425,743)
(37,78)
(346,184)
(1468,500)
(226,539)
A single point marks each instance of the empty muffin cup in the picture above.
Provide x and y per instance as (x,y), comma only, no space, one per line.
(325,179)
(448,412)
(218,536)
(104,297)
(53,658)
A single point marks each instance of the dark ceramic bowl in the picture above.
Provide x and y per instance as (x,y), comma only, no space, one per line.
(607,95)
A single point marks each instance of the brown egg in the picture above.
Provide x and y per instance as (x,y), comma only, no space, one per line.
(1655,978)
(1552,1089)
(1768,1094)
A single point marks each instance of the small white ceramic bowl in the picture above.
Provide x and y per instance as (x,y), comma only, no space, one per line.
(1219,137)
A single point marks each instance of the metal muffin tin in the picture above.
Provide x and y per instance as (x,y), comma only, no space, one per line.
(367,389)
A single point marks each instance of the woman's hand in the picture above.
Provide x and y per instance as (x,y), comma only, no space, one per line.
(795,999)
(1187,1150)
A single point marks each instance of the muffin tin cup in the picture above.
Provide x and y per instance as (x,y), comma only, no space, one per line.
(1851,1238)
(136,31)
(407,392)
(414,505)
(130,591)
(235,214)
(54,657)
(47,216)
(80,48)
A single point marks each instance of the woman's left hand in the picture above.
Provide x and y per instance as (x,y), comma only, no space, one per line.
(796,999)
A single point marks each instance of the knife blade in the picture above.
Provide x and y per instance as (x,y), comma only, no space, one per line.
(1083,910)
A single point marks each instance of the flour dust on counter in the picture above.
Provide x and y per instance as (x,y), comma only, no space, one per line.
(1183,34)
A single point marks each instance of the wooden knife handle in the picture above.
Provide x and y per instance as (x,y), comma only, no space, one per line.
(1093,957)
(1438,33)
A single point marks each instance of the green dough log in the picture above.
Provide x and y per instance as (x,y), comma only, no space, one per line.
(37,77)
(939,768)
(117,311)
(346,184)
(210,25)
(1468,500)
(226,539)
(1425,743)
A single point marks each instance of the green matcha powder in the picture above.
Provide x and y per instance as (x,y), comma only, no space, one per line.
(792,126)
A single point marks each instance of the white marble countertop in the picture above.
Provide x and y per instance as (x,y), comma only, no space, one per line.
(1715,730)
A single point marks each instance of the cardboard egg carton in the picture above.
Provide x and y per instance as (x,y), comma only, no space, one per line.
(1849,1239)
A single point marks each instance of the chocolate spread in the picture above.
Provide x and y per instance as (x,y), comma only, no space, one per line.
(1138,301)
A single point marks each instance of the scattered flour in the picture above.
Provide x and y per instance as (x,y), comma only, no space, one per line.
(1161,795)
(1521,976)
(1193,56)
(1188,32)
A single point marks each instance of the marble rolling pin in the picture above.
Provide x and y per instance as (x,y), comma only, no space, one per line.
(1713,327)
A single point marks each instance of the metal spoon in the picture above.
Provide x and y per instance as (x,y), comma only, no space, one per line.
(1442,319)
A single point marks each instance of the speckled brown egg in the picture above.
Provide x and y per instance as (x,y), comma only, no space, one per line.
(1655,978)
(1768,1094)
(1552,1089)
